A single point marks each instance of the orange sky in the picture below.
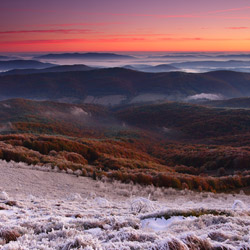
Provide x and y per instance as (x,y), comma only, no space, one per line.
(114,25)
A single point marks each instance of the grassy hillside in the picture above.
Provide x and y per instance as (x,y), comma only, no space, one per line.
(132,143)
(132,161)
(19,115)
(171,120)
(187,120)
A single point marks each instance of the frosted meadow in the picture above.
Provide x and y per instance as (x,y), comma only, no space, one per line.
(42,208)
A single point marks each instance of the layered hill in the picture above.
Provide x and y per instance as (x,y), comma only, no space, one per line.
(236,103)
(117,85)
(23,64)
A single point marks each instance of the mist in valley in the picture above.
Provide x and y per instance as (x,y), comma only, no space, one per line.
(142,59)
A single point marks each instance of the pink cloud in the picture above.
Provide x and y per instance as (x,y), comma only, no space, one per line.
(137,15)
(61,41)
(63,31)
(99,13)
(75,24)
(82,24)
(237,28)
(48,41)
(157,15)
(236,17)
(141,35)
(182,39)
(177,15)
(229,10)
(113,40)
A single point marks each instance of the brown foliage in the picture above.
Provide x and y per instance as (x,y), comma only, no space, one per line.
(9,235)
(128,160)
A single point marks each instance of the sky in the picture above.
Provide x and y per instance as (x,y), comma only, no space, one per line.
(124,25)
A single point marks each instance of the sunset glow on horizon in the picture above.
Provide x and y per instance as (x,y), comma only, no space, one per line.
(114,25)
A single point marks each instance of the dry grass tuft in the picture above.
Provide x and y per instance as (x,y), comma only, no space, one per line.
(11,203)
(195,243)
(9,235)
(175,244)
(217,236)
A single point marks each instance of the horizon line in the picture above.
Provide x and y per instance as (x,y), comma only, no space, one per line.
(115,51)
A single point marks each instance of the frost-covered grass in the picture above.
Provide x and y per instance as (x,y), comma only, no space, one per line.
(50,210)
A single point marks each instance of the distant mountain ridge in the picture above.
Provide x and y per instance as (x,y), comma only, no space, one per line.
(152,69)
(234,56)
(23,64)
(88,56)
(63,68)
(230,63)
(200,66)
(4,57)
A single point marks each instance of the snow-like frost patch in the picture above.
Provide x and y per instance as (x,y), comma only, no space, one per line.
(142,205)
(238,204)
(12,246)
(6,212)
(65,212)
(102,202)
(4,196)
(94,231)
(74,197)
(161,224)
